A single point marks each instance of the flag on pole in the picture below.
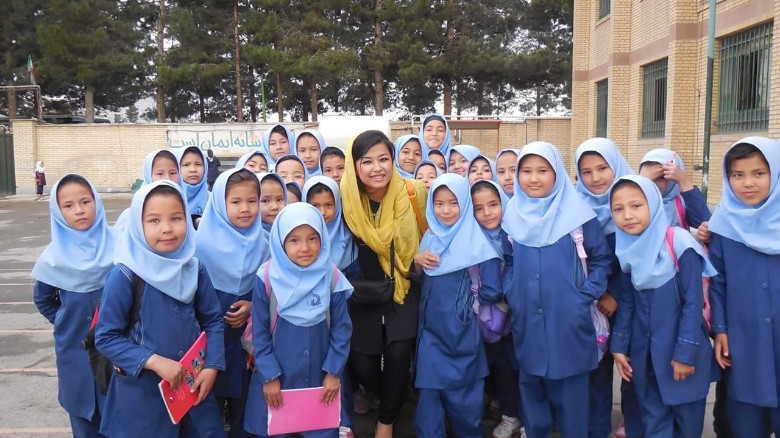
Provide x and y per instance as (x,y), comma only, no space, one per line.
(31,69)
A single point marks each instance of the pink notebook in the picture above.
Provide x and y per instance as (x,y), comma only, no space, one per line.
(302,411)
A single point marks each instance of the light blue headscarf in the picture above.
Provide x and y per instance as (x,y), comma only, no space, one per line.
(399,144)
(175,274)
(490,162)
(461,244)
(267,147)
(292,157)
(427,163)
(320,139)
(230,255)
(76,261)
(513,151)
(468,151)
(445,146)
(645,256)
(757,227)
(665,156)
(261,176)
(197,194)
(611,154)
(149,162)
(343,250)
(495,234)
(539,222)
(244,158)
(302,294)
(446,158)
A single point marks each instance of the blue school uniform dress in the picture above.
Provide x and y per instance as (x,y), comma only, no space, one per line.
(660,320)
(444,148)
(267,142)
(178,303)
(746,252)
(601,378)
(694,205)
(197,194)
(69,277)
(550,300)
(312,325)
(320,140)
(231,256)
(451,362)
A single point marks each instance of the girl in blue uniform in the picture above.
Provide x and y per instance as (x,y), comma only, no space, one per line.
(435,134)
(194,166)
(69,278)
(292,169)
(277,141)
(309,146)
(684,203)
(481,167)
(310,341)
(461,269)
(660,338)
(256,161)
(426,171)
(438,158)
(158,165)
(506,163)
(230,246)
(745,312)
(460,158)
(599,163)
(177,304)
(408,154)
(332,163)
(550,298)
(489,205)
(273,198)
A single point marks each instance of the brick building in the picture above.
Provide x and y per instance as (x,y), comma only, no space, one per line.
(640,69)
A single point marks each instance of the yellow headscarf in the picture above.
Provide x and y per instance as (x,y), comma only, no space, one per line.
(395,221)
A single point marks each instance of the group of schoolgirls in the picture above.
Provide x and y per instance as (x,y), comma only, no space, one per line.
(196,261)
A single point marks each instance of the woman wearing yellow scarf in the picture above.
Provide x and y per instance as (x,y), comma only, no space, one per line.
(378,210)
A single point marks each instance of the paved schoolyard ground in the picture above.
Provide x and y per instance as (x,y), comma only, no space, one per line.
(28,377)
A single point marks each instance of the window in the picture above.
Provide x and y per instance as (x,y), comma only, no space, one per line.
(604,8)
(745,67)
(654,99)
(602,99)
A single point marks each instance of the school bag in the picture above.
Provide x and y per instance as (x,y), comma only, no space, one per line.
(246,337)
(600,322)
(101,366)
(704,280)
(493,318)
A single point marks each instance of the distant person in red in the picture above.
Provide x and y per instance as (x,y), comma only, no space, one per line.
(40,180)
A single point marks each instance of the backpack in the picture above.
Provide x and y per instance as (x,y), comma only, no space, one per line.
(101,366)
(705,280)
(246,337)
(600,322)
(493,318)
(680,206)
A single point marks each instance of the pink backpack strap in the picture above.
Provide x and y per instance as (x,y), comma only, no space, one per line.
(579,240)
(678,202)
(670,246)
(273,303)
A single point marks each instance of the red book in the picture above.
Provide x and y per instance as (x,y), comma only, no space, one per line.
(178,402)
(302,411)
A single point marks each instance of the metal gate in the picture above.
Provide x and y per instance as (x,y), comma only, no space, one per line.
(7,173)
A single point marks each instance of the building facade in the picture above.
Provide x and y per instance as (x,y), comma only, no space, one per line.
(640,69)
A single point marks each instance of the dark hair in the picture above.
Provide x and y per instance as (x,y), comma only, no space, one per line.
(590,154)
(210,153)
(258,154)
(242,175)
(435,117)
(320,188)
(304,134)
(292,187)
(436,151)
(520,163)
(369,139)
(484,185)
(72,178)
(279,129)
(421,165)
(331,151)
(433,195)
(478,157)
(165,155)
(165,190)
(291,157)
(740,152)
(623,183)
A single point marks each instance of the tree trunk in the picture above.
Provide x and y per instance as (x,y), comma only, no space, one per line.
(538,101)
(89,104)
(447,97)
(12,103)
(314,98)
(252,95)
(446,80)
(202,108)
(159,62)
(279,98)
(239,96)
(379,89)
